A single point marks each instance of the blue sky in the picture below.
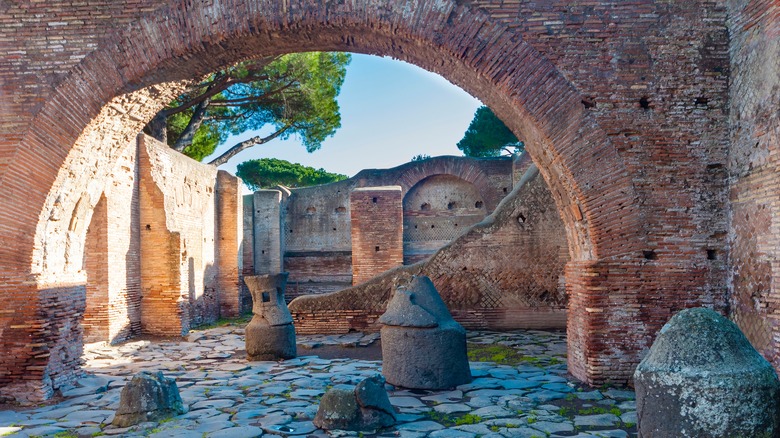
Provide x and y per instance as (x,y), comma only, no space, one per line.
(390,112)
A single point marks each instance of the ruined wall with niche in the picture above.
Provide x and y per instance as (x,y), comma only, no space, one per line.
(472,273)
(754,172)
(437,210)
(317,230)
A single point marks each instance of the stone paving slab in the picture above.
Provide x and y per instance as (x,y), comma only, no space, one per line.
(230,397)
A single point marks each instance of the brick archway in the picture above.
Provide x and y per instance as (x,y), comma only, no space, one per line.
(97,105)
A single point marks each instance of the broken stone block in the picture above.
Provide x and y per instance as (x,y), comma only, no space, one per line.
(702,378)
(422,346)
(365,408)
(270,334)
(148,397)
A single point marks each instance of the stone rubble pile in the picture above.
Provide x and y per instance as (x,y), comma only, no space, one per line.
(148,397)
(364,407)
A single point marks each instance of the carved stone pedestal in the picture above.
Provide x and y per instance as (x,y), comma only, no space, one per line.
(270,334)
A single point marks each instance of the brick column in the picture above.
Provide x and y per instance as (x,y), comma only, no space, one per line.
(616,308)
(230,227)
(377,231)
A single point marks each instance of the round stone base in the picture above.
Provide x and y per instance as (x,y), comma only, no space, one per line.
(265,342)
(425,358)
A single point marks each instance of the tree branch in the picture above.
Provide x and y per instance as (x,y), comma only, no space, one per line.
(157,128)
(185,139)
(216,88)
(246,144)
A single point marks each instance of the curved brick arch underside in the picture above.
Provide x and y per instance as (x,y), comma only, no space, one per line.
(93,110)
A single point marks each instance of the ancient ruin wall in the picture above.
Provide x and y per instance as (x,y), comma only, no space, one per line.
(317,242)
(96,321)
(505,272)
(178,226)
(754,172)
(436,211)
(317,232)
(112,257)
(621,104)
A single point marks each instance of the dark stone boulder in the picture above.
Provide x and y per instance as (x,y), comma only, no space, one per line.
(148,397)
(702,378)
(364,408)
(270,334)
(422,346)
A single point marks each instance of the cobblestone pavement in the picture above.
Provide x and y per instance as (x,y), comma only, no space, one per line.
(520,389)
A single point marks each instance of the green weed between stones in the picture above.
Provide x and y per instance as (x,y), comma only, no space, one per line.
(595,410)
(504,355)
(500,354)
(468,419)
(222,322)
(449,420)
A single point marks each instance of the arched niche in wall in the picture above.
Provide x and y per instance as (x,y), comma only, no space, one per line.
(436,210)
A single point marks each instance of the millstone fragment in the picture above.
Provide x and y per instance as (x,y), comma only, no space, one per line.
(422,346)
(702,378)
(270,334)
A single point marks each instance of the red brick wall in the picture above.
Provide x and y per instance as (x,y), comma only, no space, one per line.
(163,310)
(754,168)
(623,105)
(179,241)
(376,215)
(112,257)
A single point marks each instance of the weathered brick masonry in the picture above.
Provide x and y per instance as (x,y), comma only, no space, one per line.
(377,231)
(190,229)
(624,106)
(229,236)
(505,272)
(112,257)
(316,232)
(754,171)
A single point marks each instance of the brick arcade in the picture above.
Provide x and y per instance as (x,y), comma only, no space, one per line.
(653,124)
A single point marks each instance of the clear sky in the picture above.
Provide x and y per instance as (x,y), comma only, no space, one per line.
(390,112)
